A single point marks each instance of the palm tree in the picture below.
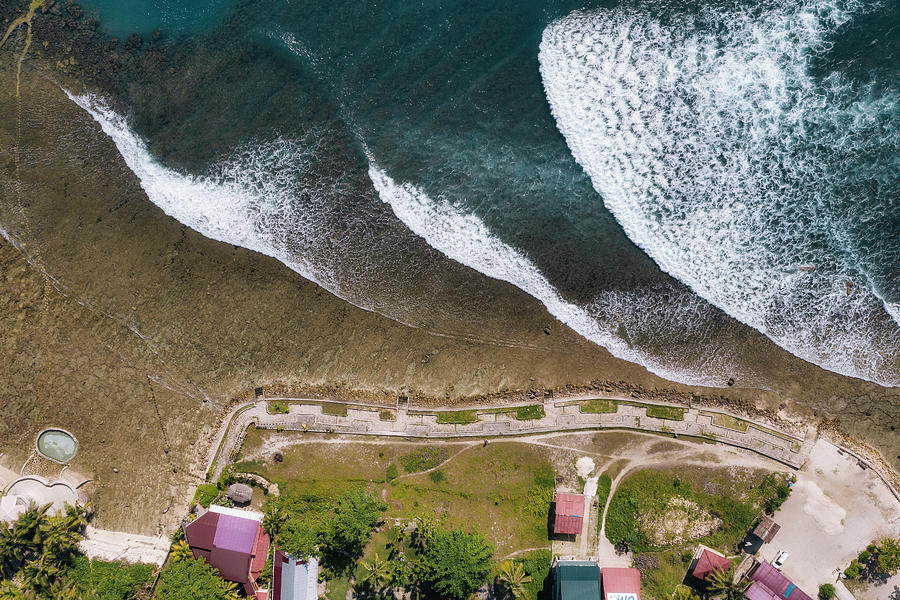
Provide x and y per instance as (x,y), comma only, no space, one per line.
(181,551)
(379,573)
(512,577)
(228,590)
(721,584)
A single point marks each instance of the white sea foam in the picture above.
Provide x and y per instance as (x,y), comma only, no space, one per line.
(616,320)
(252,200)
(726,160)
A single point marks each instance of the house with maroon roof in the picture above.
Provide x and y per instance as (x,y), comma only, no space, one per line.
(568,514)
(233,541)
(768,583)
(706,561)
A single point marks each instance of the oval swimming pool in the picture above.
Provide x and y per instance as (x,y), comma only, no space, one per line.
(57,445)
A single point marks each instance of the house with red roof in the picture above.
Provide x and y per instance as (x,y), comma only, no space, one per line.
(621,583)
(707,562)
(568,514)
(585,580)
(233,541)
(768,583)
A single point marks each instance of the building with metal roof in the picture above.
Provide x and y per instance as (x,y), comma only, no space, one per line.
(766,529)
(709,561)
(293,579)
(768,583)
(576,580)
(232,541)
(568,514)
(621,583)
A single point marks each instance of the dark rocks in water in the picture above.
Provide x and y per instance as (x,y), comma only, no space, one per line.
(547,330)
(730,381)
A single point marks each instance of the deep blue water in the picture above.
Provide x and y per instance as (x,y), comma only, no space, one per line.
(667,178)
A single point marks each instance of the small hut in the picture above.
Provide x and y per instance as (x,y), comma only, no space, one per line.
(240,493)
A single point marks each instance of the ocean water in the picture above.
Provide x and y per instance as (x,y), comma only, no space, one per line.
(673,180)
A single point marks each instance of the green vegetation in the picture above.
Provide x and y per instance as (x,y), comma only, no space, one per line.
(387,415)
(193,580)
(457,417)
(512,578)
(533,411)
(852,571)
(455,563)
(598,405)
(672,413)
(876,561)
(101,580)
(726,498)
(38,551)
(335,529)
(423,459)
(537,567)
(334,408)
(826,591)
(391,473)
(721,584)
(205,494)
(604,485)
(276,407)
(728,422)
(888,562)
(782,492)
(662,580)
(436,476)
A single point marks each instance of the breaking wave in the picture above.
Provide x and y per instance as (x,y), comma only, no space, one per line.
(628,324)
(258,199)
(738,171)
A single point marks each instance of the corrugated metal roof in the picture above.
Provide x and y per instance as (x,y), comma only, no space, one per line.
(570,505)
(235,533)
(231,564)
(260,552)
(709,562)
(576,580)
(777,583)
(567,525)
(294,580)
(621,583)
(758,591)
(766,529)
(201,532)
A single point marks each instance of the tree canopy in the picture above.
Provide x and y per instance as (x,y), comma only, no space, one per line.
(193,580)
(456,562)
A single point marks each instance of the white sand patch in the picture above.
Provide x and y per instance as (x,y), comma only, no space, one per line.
(584,466)
(590,487)
(825,511)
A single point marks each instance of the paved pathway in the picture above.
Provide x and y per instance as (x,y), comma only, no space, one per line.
(561,415)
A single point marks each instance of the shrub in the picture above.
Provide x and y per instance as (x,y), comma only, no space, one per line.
(205,494)
(544,476)
(100,580)
(392,472)
(278,408)
(190,580)
(852,572)
(537,500)
(456,562)
(423,459)
(864,556)
(826,591)
(436,476)
(888,557)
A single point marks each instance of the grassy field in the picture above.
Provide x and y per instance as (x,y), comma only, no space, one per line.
(728,422)
(598,406)
(734,496)
(457,417)
(671,413)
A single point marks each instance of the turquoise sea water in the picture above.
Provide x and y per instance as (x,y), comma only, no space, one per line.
(666,177)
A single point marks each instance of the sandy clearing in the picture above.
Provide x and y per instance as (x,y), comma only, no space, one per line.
(103,544)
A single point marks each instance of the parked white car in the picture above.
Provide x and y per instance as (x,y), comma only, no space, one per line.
(780,559)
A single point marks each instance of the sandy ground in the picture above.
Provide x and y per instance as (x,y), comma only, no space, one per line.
(835,510)
(127,547)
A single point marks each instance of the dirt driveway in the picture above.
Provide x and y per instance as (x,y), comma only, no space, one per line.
(836,509)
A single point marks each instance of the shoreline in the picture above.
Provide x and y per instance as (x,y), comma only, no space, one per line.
(128,317)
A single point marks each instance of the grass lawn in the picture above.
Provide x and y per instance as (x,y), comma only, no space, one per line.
(671,413)
(334,408)
(658,583)
(728,422)
(725,494)
(604,484)
(504,489)
(205,494)
(527,413)
(337,589)
(457,417)
(598,406)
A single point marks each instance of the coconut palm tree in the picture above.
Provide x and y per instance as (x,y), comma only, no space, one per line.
(721,584)
(228,590)
(379,573)
(512,577)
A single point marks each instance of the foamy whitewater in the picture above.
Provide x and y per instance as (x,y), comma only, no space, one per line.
(726,161)
(611,321)
(250,201)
